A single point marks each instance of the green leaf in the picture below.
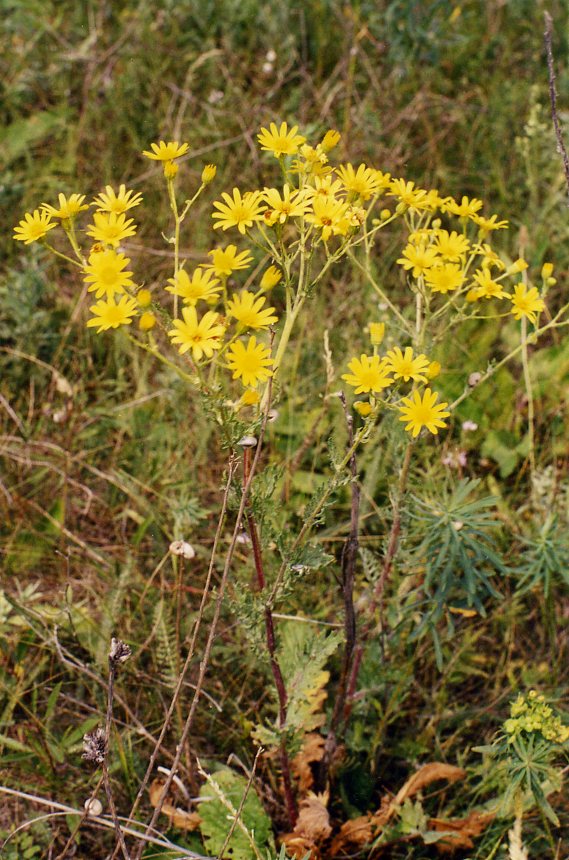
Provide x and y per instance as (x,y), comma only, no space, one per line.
(217,817)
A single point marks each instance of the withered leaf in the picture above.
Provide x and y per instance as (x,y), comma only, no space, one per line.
(312,751)
(460,830)
(178,817)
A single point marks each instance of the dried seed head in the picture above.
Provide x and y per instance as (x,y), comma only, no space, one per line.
(94,746)
(182,548)
(247,441)
(120,652)
(93,806)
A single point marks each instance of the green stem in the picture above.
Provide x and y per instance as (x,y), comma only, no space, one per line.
(531,405)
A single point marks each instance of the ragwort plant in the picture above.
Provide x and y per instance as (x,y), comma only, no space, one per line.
(225,328)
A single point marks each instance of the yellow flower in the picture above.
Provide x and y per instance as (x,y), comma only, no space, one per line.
(270,279)
(517,266)
(325,186)
(110,314)
(489,256)
(364,181)
(408,194)
(290,205)
(33,227)
(238,211)
(451,246)
(147,321)
(422,412)
(329,215)
(419,258)
(369,373)
(202,285)
(546,271)
(249,311)
(487,287)
(330,140)
(280,141)
(106,275)
(69,207)
(208,173)
(250,363)
(376,332)
(202,337)
(166,151)
(526,303)
(488,224)
(404,366)
(443,278)
(227,260)
(111,228)
(467,208)
(109,201)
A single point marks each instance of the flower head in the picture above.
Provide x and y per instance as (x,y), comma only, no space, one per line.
(249,311)
(330,140)
(106,275)
(364,181)
(69,207)
(451,246)
(405,366)
(109,201)
(33,227)
(292,204)
(526,303)
(467,208)
(488,224)
(408,194)
(209,173)
(487,287)
(250,363)
(110,314)
(166,151)
(329,215)
(202,285)
(442,279)
(228,260)
(238,211)
(280,141)
(422,412)
(376,332)
(369,373)
(111,228)
(201,336)
(418,258)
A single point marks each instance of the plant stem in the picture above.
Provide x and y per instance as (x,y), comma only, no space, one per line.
(271,647)
(105,766)
(531,406)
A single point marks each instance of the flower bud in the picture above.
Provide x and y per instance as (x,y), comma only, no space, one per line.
(376,332)
(147,321)
(363,408)
(546,271)
(144,298)
(385,214)
(208,173)
(270,278)
(433,370)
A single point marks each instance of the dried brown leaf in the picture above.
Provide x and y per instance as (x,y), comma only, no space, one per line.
(300,847)
(425,775)
(461,830)
(355,832)
(313,818)
(312,751)
(178,817)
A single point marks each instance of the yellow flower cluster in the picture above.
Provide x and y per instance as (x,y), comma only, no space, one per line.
(371,374)
(530,714)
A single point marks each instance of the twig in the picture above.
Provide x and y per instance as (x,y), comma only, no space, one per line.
(113,664)
(212,632)
(191,650)
(102,822)
(271,647)
(237,816)
(561,149)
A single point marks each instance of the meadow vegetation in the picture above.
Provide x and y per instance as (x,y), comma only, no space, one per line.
(283,362)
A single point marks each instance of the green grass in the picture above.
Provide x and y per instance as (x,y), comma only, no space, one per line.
(105,459)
